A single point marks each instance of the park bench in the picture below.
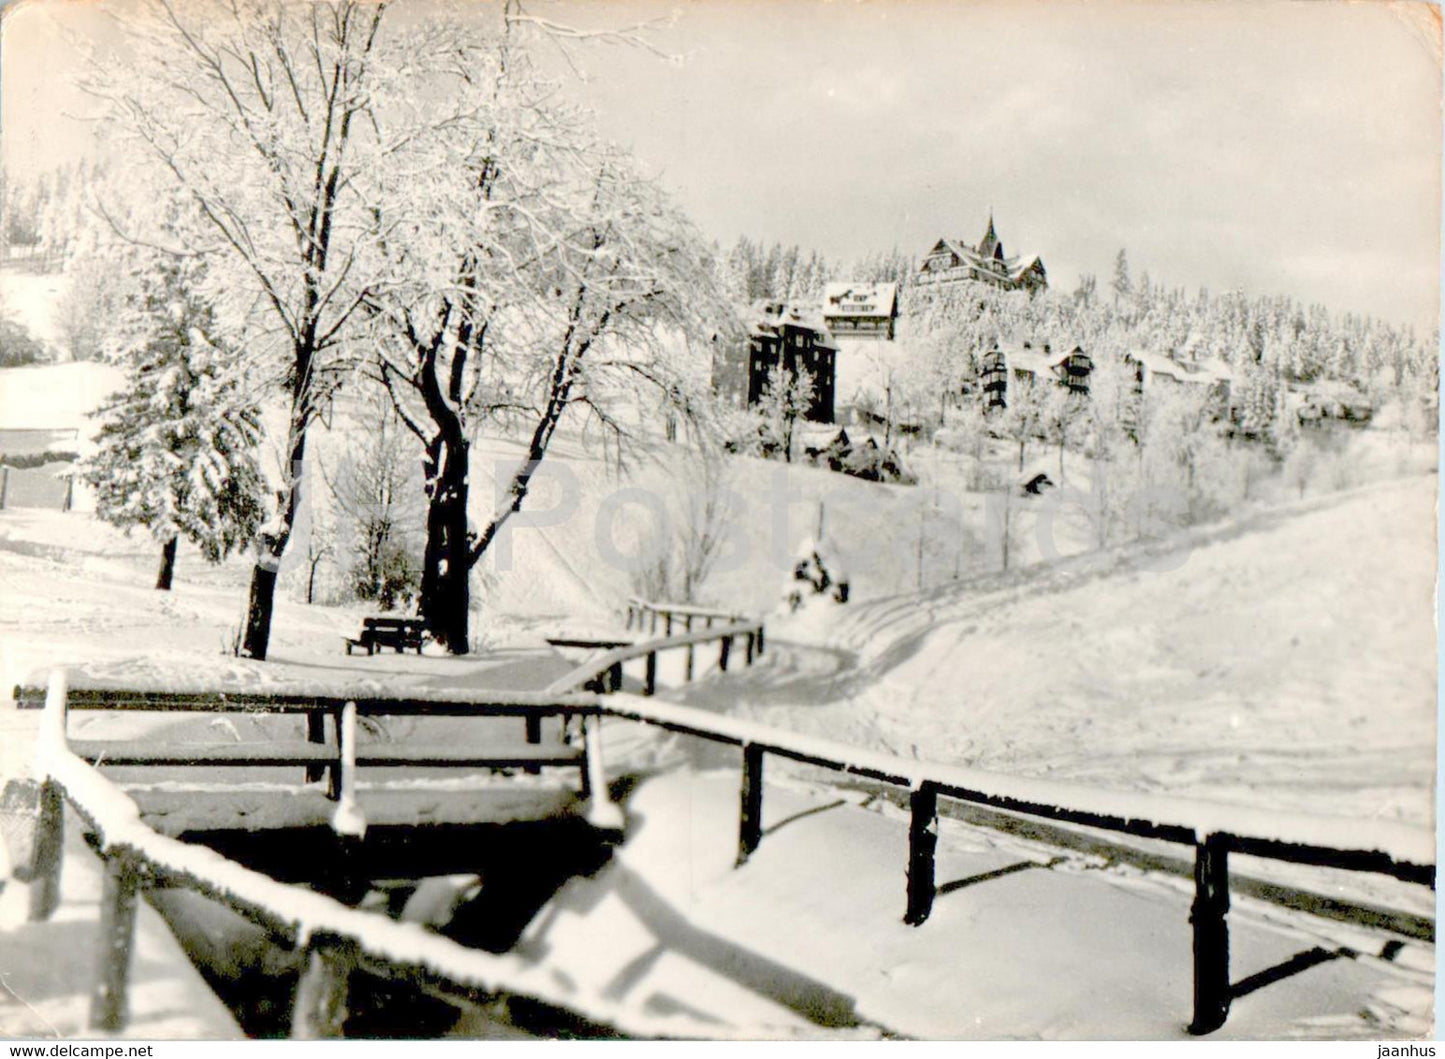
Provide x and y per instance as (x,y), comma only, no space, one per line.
(399,633)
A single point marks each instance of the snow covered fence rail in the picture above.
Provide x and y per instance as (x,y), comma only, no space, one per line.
(604,673)
(641,612)
(341,757)
(1214,830)
(335,938)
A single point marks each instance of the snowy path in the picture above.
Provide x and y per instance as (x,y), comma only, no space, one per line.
(1023,942)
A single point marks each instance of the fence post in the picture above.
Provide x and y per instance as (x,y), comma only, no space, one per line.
(748,657)
(760,639)
(649,686)
(533,726)
(922,846)
(602,811)
(319,1009)
(687,623)
(709,621)
(667,626)
(343,773)
(654,622)
(614,677)
(45,860)
(723,652)
(688,676)
(119,888)
(750,816)
(316,733)
(4,486)
(1209,917)
(335,781)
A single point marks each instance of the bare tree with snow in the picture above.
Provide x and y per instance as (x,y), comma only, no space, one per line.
(258,114)
(531,273)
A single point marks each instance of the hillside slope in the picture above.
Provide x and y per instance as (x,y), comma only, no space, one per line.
(1286,661)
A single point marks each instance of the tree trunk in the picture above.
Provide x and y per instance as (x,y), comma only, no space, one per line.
(258,610)
(168,566)
(272,543)
(445,602)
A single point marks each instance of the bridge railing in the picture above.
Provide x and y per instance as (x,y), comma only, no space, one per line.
(1214,831)
(333,936)
(337,756)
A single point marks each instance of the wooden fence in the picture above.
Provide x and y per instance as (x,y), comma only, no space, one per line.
(646,616)
(1213,831)
(604,673)
(334,939)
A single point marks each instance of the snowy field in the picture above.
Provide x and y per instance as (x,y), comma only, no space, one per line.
(32,299)
(1288,658)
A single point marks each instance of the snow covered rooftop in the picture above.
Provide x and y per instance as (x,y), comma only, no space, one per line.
(1205,371)
(1159,364)
(766,317)
(859,299)
(1035,359)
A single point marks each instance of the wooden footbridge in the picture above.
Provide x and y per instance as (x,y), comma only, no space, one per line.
(140,852)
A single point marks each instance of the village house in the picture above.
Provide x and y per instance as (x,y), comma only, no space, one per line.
(861,310)
(1003,367)
(955,261)
(1153,371)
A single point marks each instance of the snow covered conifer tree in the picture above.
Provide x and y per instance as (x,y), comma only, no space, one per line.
(176,446)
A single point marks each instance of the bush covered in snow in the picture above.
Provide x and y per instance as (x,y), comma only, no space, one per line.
(18,347)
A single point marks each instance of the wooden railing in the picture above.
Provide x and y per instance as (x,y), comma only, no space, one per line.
(603,673)
(651,617)
(334,938)
(336,757)
(1214,831)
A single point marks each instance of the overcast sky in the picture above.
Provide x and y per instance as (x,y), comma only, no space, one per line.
(1283,147)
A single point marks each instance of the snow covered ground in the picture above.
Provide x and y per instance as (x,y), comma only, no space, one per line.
(46,969)
(1287,659)
(32,299)
(1023,943)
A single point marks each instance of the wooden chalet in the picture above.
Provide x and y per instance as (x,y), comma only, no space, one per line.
(956,261)
(861,310)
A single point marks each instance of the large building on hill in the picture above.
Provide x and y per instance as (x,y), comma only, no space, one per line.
(797,339)
(956,261)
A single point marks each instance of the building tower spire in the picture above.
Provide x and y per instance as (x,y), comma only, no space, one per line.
(990,239)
